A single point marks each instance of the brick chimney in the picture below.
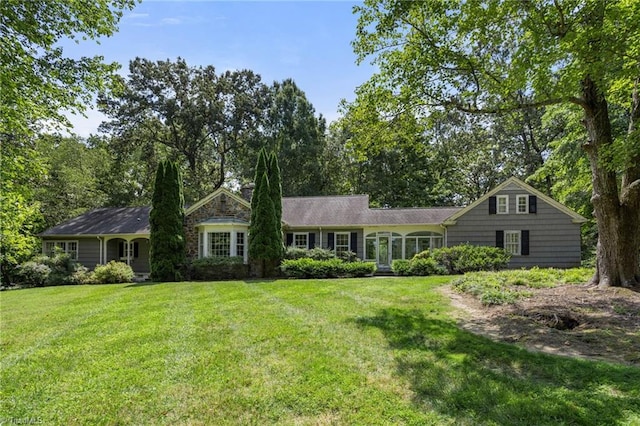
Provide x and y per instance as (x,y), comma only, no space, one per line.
(247,191)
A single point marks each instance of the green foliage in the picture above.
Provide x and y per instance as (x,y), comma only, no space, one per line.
(219,268)
(167,241)
(33,273)
(466,258)
(113,273)
(38,82)
(505,287)
(328,268)
(265,231)
(453,260)
(191,114)
(52,271)
(401,267)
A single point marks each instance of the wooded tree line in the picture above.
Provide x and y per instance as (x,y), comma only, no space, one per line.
(451,114)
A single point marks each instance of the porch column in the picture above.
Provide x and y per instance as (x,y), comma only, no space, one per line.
(205,243)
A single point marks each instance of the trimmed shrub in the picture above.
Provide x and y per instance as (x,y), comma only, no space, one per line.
(468,258)
(219,268)
(401,267)
(331,268)
(112,273)
(425,267)
(316,253)
(296,253)
(33,273)
(359,269)
(59,269)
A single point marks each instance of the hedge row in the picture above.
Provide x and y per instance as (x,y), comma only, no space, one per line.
(453,260)
(219,268)
(331,268)
(60,269)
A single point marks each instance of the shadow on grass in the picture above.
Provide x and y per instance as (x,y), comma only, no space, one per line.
(475,380)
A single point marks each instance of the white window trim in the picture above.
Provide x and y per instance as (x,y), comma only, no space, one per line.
(66,247)
(519,234)
(526,204)
(506,203)
(293,243)
(335,242)
(203,239)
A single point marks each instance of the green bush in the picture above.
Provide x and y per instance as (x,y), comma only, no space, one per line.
(58,269)
(331,268)
(112,273)
(468,258)
(359,269)
(425,267)
(219,268)
(401,267)
(33,274)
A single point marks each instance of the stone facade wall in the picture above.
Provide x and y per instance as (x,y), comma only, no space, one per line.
(221,206)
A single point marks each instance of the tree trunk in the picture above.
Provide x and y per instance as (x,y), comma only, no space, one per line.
(617,211)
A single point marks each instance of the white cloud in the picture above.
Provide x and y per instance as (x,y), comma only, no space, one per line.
(134,15)
(171,21)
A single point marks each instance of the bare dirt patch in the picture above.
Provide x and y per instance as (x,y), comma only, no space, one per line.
(570,320)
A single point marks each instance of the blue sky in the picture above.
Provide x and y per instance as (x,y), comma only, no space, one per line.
(308,41)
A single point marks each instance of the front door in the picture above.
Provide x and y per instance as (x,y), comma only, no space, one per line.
(384,249)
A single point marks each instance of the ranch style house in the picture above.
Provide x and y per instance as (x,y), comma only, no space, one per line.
(534,228)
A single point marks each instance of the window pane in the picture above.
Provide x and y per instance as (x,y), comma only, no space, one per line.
(437,242)
(512,242)
(410,248)
(342,243)
(370,249)
(220,244)
(523,204)
(300,241)
(503,203)
(396,248)
(240,244)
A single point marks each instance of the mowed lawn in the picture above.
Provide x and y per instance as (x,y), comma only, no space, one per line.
(353,351)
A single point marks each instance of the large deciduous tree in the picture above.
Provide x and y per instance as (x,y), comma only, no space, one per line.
(37,84)
(200,116)
(481,57)
(167,240)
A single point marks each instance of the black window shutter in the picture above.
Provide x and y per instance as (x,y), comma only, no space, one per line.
(533,204)
(330,239)
(492,205)
(312,240)
(121,249)
(135,249)
(289,239)
(500,239)
(354,242)
(524,243)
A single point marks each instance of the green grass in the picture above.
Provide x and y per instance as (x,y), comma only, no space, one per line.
(506,287)
(352,351)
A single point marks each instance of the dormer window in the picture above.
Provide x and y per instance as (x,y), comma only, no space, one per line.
(502,204)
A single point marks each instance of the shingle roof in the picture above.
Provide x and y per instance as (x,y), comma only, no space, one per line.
(354,210)
(347,210)
(108,220)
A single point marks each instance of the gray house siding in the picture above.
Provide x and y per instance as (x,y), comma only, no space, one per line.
(321,238)
(554,240)
(89,252)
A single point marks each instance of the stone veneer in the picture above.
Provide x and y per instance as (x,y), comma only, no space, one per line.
(221,206)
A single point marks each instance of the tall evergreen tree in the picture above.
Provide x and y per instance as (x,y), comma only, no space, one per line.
(275,193)
(167,241)
(265,233)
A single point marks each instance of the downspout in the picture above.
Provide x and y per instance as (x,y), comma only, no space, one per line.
(320,229)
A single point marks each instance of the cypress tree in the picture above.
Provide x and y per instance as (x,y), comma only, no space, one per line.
(275,193)
(167,241)
(265,233)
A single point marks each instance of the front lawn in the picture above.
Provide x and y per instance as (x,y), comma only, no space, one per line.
(352,351)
